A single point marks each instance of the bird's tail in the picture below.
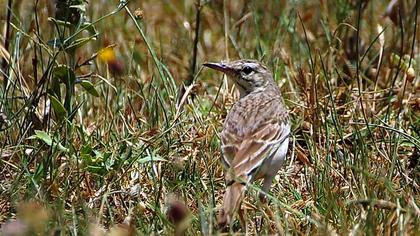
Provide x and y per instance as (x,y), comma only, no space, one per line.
(231,202)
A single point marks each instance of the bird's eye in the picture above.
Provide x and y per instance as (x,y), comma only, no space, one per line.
(247,70)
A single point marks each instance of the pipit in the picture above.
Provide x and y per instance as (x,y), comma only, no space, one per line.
(255,135)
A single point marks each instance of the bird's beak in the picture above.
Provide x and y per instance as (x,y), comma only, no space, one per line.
(218,66)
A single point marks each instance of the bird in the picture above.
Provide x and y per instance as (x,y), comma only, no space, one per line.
(255,135)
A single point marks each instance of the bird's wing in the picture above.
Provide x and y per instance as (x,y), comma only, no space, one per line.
(246,154)
(230,146)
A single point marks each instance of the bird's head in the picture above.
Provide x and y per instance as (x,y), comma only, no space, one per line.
(248,75)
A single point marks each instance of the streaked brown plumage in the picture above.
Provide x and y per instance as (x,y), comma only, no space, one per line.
(254,139)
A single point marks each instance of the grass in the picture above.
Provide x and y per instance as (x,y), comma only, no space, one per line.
(98,136)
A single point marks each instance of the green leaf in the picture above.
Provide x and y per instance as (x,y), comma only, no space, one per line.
(64,74)
(96,170)
(88,86)
(150,158)
(58,107)
(43,136)
(55,89)
(86,150)
(62,148)
(80,42)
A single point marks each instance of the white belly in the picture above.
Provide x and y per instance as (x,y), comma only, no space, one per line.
(271,165)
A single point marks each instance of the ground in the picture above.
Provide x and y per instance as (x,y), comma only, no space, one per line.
(109,124)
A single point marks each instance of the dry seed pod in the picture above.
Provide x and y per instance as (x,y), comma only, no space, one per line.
(411,74)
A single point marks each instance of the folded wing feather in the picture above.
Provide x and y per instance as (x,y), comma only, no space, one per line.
(245,155)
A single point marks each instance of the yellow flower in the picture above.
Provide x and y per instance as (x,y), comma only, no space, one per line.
(107,54)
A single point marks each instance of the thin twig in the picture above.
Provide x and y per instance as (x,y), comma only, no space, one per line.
(195,48)
(409,62)
(358,62)
(7,42)
(190,79)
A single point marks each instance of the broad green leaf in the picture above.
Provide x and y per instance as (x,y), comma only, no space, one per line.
(58,107)
(43,136)
(55,89)
(86,150)
(88,86)
(64,74)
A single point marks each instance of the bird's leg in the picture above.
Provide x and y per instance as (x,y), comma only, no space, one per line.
(264,202)
(265,188)
(242,219)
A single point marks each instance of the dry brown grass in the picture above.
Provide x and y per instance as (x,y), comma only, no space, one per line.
(133,162)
